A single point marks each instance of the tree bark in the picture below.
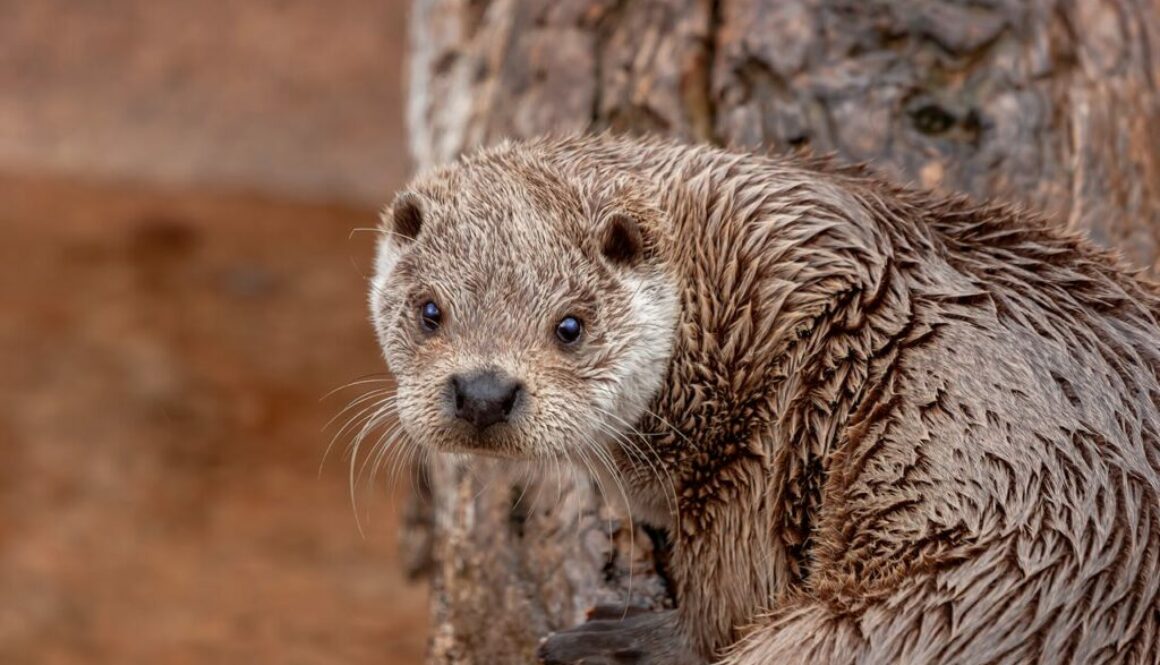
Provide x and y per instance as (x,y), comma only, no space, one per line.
(1048,102)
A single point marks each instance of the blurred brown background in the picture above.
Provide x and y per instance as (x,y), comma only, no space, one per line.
(179,288)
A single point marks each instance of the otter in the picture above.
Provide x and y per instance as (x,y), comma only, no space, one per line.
(880,425)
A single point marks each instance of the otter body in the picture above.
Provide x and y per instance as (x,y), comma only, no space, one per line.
(880,425)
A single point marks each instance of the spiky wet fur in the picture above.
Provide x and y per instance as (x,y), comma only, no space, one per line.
(897,427)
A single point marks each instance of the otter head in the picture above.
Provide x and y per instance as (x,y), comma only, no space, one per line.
(524,314)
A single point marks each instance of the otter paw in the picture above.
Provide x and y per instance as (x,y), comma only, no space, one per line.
(640,638)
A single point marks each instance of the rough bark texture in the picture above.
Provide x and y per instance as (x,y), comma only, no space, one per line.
(1049,102)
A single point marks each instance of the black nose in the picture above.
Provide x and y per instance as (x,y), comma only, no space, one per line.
(486,397)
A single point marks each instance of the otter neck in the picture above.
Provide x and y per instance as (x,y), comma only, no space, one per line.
(779,329)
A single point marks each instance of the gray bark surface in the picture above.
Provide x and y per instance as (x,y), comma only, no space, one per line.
(1048,102)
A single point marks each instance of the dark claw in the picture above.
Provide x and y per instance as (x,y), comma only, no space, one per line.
(613,612)
(641,637)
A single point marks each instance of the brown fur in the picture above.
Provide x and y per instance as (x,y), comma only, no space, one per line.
(898,427)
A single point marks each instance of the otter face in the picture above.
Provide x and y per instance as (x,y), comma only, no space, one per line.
(522,317)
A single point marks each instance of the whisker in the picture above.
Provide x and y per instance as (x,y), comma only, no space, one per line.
(669,425)
(381,413)
(491,479)
(402,459)
(367,412)
(415,464)
(383,446)
(356,401)
(377,377)
(364,229)
(630,446)
(604,458)
(523,483)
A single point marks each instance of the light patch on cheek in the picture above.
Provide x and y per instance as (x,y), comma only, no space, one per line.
(641,368)
(386,258)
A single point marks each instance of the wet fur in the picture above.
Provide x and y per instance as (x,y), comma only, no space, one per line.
(898,427)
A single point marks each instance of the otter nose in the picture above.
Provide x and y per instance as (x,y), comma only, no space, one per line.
(486,397)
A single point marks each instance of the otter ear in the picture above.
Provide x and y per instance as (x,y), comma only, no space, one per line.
(404,219)
(622,241)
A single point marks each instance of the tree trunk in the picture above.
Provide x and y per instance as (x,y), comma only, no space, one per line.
(1049,102)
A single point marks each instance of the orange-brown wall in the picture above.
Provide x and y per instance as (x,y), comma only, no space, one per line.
(179,288)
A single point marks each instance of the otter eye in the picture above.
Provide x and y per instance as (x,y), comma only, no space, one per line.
(568,329)
(430,316)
